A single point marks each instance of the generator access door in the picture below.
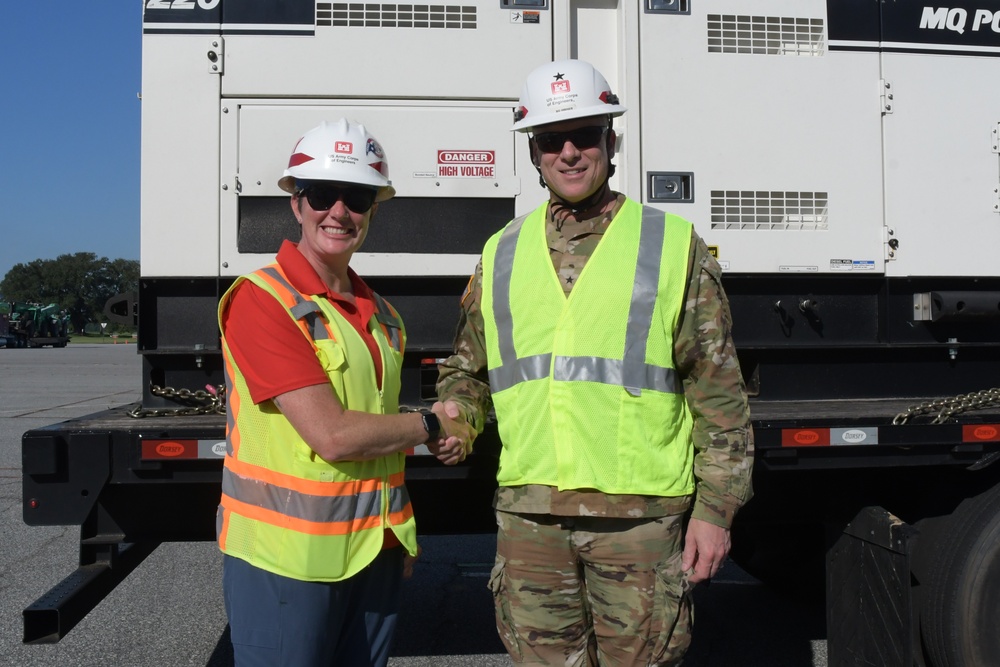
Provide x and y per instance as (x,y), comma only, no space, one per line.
(763,136)
(942,137)
(474,49)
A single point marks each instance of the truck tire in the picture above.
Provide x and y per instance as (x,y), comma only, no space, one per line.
(959,612)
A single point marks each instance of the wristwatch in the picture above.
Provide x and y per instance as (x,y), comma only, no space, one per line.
(431,423)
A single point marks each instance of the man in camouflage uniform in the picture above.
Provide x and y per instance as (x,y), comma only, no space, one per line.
(600,572)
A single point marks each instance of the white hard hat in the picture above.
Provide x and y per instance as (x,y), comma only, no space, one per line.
(564,90)
(339,151)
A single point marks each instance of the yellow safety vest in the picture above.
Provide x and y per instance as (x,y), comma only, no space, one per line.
(584,385)
(283,508)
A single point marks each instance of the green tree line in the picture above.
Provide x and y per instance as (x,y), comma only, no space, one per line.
(79,283)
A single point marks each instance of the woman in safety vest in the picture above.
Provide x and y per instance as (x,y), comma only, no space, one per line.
(315,518)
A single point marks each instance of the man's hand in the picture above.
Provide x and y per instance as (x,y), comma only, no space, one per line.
(705,547)
(455,441)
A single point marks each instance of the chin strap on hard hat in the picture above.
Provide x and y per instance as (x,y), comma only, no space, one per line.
(585,204)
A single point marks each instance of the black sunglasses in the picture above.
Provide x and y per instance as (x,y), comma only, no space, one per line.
(322,196)
(582,137)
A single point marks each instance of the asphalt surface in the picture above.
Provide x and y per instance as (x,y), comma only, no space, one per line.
(169,611)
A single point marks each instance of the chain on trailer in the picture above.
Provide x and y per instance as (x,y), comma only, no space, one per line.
(212,399)
(945,408)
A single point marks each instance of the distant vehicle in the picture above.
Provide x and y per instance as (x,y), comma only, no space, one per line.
(34,325)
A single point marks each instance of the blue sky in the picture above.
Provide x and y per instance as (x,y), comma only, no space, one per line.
(69,129)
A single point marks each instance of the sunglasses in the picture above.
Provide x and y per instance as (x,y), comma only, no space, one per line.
(322,196)
(582,137)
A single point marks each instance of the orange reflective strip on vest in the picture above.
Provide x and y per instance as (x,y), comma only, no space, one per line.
(274,276)
(385,330)
(315,488)
(401,516)
(388,320)
(233,405)
(222,527)
(300,525)
(297,505)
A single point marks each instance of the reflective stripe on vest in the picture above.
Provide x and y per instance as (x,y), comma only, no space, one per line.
(305,311)
(358,505)
(308,314)
(389,321)
(632,372)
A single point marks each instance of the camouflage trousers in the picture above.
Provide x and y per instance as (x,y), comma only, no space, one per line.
(587,591)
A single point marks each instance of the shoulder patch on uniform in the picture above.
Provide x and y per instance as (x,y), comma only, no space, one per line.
(468,289)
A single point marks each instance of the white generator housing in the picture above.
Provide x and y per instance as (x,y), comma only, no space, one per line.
(840,158)
(792,147)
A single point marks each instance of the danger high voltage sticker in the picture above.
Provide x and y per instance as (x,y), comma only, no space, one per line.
(466,164)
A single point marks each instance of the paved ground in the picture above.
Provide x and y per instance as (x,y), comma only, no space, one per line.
(169,611)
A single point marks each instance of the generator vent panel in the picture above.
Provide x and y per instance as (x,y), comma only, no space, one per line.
(393,15)
(742,209)
(765,35)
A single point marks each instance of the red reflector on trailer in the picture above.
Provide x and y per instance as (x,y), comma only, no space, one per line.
(805,437)
(169,449)
(981,433)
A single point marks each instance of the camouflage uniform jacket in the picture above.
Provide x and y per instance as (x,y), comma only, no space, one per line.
(705,357)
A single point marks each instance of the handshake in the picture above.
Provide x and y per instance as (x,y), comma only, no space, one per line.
(454,442)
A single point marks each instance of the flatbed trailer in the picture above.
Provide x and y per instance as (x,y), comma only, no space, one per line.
(132,482)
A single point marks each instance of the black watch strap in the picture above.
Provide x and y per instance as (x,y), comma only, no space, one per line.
(431,423)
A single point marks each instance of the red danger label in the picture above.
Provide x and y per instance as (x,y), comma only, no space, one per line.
(466,157)
(466,164)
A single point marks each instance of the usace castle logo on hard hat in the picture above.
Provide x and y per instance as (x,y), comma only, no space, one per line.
(343,147)
(560,86)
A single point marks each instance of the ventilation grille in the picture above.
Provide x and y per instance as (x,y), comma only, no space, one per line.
(735,209)
(765,35)
(392,15)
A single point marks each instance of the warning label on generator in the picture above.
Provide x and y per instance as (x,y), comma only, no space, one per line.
(466,164)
